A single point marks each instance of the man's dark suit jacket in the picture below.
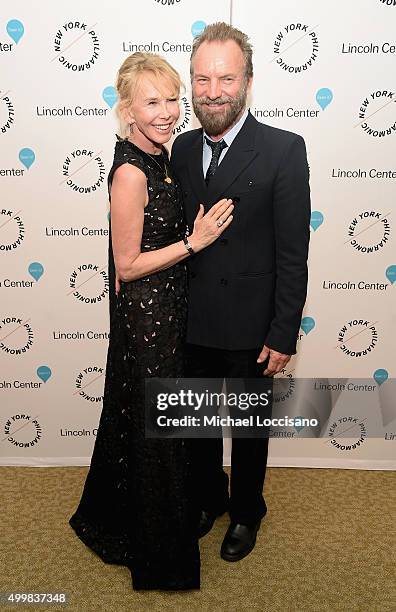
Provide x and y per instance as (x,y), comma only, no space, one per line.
(248,288)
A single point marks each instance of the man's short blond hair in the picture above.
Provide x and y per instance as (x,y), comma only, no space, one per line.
(221,32)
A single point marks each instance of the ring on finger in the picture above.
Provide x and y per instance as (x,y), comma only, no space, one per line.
(220,223)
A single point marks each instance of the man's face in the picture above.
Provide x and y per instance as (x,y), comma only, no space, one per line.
(219,85)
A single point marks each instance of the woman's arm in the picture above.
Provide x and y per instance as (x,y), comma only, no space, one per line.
(128,200)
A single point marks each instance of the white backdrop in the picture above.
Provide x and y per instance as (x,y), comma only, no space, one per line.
(324,70)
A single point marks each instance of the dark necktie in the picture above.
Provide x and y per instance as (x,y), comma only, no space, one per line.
(217,148)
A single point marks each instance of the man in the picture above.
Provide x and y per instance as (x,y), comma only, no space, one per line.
(247,290)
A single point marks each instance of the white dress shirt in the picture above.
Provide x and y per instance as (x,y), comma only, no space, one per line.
(228,138)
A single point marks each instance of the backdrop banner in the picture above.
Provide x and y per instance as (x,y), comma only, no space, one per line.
(323,70)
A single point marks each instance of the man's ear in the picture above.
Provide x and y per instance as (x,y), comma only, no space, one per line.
(249,84)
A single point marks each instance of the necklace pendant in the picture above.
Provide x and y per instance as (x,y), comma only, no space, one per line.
(167,179)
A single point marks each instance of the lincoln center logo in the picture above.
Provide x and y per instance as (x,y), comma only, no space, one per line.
(22,430)
(376,114)
(6,112)
(357,338)
(16,335)
(84,171)
(76,46)
(89,283)
(296,48)
(369,231)
(12,230)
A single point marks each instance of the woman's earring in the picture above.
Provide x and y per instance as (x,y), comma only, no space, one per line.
(130,129)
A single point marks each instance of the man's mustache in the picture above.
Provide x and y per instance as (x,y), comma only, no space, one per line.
(216,102)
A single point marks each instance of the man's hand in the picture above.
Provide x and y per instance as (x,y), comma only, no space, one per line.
(277,361)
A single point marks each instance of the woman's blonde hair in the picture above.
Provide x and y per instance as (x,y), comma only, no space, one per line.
(129,76)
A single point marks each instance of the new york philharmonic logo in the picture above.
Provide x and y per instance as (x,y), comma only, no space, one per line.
(185,116)
(89,384)
(22,430)
(377,114)
(352,430)
(388,2)
(6,111)
(76,46)
(84,171)
(296,48)
(369,231)
(12,230)
(167,2)
(284,386)
(16,335)
(357,338)
(89,283)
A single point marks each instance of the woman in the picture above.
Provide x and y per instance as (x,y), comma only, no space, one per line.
(137,505)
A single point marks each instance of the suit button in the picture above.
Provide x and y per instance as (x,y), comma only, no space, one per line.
(223,281)
(224,241)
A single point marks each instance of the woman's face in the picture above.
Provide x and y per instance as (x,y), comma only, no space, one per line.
(153,113)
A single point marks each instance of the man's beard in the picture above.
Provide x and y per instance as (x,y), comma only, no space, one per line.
(217,123)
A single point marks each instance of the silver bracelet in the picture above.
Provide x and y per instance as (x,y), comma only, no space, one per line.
(188,246)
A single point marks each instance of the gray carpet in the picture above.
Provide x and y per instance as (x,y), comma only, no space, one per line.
(327,543)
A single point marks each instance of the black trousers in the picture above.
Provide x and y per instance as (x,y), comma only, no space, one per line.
(245,503)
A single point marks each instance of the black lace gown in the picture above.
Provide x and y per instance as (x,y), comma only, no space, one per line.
(137,508)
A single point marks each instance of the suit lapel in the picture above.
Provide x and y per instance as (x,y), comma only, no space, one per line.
(240,154)
(195,169)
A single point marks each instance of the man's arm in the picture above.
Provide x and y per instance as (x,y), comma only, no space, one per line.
(292,210)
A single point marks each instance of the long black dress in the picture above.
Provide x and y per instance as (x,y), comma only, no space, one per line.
(137,508)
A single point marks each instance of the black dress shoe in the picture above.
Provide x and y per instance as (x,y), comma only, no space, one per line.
(239,541)
(206,521)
